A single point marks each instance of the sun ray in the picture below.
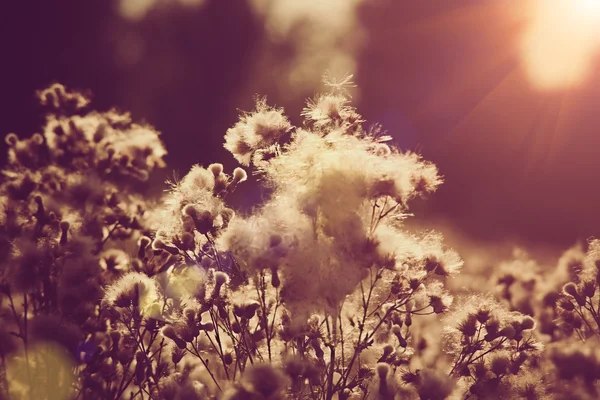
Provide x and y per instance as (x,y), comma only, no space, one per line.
(560,135)
(499,93)
(466,81)
(541,134)
(466,16)
(553,131)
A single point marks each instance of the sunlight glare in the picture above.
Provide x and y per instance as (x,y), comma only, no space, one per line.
(588,5)
(561,42)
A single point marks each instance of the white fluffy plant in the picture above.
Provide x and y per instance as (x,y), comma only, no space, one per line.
(331,238)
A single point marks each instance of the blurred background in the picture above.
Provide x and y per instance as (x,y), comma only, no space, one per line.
(502,95)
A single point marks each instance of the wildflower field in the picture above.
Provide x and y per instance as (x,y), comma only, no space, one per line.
(328,240)
(320,292)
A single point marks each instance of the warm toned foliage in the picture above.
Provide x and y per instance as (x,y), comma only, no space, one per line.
(320,293)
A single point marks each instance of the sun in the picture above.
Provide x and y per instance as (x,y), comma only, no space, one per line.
(561,42)
(588,5)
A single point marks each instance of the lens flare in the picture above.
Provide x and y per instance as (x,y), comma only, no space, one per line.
(561,42)
(45,371)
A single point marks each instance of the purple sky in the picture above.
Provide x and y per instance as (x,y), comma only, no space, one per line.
(442,77)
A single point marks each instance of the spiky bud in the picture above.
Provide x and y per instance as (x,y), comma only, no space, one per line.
(499,365)
(217,289)
(64,227)
(144,243)
(187,223)
(589,288)
(469,326)
(482,315)
(250,309)
(159,244)
(37,139)
(508,332)
(239,175)
(570,289)
(188,241)
(11,139)
(216,169)
(169,332)
(208,327)
(383,369)
(204,222)
(527,323)
(566,304)
(275,281)
(387,350)
(191,211)
(220,278)
(275,240)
